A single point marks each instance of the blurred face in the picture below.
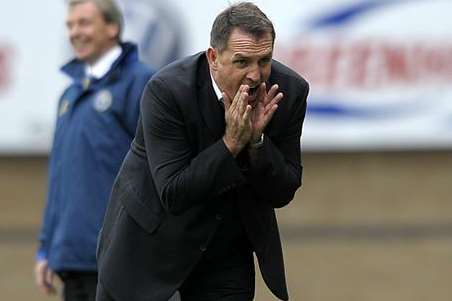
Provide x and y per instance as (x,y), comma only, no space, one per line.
(244,61)
(89,34)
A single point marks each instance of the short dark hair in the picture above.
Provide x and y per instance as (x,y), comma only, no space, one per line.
(245,16)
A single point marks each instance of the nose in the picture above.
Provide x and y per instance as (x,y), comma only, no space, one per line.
(254,74)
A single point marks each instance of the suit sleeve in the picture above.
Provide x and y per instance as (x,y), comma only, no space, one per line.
(182,177)
(275,171)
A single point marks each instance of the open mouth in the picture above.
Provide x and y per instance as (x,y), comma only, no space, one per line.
(252,91)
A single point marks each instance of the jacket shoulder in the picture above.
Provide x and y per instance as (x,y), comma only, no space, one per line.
(180,72)
(281,73)
(178,81)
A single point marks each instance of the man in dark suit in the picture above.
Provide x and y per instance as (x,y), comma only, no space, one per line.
(216,150)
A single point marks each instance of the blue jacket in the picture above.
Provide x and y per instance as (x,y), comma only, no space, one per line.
(95,126)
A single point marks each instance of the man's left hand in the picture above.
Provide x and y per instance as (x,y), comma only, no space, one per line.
(266,105)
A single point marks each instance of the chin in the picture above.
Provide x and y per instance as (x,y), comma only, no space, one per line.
(82,55)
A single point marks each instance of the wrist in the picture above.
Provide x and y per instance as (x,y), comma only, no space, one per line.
(233,149)
(41,255)
(257,143)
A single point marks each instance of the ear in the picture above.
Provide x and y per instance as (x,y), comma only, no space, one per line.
(212,58)
(113,31)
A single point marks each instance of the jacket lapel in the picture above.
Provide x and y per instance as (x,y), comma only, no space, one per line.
(211,109)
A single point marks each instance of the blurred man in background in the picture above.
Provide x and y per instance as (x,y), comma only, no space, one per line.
(188,212)
(97,118)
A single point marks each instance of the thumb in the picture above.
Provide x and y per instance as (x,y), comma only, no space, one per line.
(227,101)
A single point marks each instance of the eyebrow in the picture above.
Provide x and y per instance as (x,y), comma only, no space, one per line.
(240,55)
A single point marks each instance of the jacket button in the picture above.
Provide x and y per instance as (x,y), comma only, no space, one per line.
(203,248)
(218,217)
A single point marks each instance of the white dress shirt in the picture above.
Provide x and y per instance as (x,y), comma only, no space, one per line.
(104,63)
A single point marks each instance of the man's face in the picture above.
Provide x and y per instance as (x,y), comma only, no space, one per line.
(89,34)
(244,61)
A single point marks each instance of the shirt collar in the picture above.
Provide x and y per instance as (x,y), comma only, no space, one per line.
(104,63)
(216,89)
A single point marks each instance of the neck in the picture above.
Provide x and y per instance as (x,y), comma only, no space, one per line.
(94,60)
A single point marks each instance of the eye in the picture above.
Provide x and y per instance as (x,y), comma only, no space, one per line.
(265,61)
(240,62)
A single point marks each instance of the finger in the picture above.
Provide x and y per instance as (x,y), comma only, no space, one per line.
(243,100)
(49,277)
(274,101)
(44,289)
(235,100)
(40,275)
(49,282)
(271,93)
(39,278)
(247,114)
(270,113)
(226,101)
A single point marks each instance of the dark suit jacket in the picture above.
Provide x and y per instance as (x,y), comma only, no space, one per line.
(168,194)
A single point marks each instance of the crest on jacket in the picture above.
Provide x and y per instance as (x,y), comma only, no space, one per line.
(102,100)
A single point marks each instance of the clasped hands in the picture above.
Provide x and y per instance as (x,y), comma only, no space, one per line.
(245,121)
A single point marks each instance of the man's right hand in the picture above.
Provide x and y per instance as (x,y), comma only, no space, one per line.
(44,277)
(238,120)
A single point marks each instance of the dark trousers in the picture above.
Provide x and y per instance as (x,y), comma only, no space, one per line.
(79,286)
(226,269)
(220,282)
(225,273)
(213,280)
(102,294)
(217,277)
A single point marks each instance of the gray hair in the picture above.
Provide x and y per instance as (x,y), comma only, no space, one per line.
(245,16)
(109,10)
